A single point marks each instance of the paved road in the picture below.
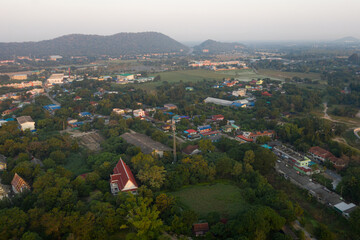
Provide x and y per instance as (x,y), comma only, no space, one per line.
(317,190)
(51,99)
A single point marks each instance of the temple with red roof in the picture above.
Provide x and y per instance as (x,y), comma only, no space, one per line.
(18,184)
(122,180)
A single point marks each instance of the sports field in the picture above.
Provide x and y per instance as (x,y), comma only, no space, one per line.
(223,198)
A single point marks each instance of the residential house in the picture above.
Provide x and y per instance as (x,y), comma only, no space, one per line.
(266,94)
(203,129)
(218,117)
(322,155)
(214,136)
(77,98)
(166,128)
(227,128)
(345,209)
(190,132)
(200,229)
(118,111)
(122,179)
(139,113)
(9,111)
(3,192)
(255,135)
(18,184)
(85,114)
(239,93)
(3,164)
(191,150)
(26,122)
(243,139)
(95,104)
(170,106)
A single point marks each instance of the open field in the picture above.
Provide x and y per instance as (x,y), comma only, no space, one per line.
(199,75)
(224,198)
(282,75)
(248,75)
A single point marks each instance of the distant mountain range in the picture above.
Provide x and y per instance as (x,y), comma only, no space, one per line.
(213,47)
(95,45)
(347,40)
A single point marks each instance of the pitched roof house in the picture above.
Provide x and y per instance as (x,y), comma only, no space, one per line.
(191,150)
(18,184)
(122,180)
(321,154)
(26,122)
(3,164)
(200,229)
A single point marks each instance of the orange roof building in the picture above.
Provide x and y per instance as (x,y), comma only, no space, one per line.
(18,184)
(122,180)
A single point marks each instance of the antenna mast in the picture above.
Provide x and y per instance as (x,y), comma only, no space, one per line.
(174,138)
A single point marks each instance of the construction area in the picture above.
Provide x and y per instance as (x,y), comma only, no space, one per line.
(90,140)
(145,143)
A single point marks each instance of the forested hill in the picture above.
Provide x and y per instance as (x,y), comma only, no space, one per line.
(211,46)
(94,45)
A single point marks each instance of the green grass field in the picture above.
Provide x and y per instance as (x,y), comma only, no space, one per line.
(282,75)
(223,198)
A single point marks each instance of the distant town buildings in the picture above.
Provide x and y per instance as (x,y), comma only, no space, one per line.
(19,77)
(239,93)
(57,78)
(55,57)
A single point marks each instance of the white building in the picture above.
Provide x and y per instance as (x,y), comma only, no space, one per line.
(19,77)
(57,78)
(218,101)
(118,111)
(239,93)
(139,113)
(26,122)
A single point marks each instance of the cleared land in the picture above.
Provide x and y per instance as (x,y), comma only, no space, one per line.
(223,198)
(199,75)
(282,75)
(91,140)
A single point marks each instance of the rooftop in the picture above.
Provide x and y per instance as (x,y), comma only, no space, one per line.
(24,119)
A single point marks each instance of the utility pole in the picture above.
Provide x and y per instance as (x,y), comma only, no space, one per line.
(174,138)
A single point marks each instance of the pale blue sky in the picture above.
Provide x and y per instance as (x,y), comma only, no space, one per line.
(185,20)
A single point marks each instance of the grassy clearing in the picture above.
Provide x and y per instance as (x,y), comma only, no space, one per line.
(248,75)
(199,75)
(351,139)
(283,75)
(223,198)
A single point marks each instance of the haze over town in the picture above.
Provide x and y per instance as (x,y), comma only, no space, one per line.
(229,20)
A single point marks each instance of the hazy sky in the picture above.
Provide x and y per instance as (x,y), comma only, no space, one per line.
(185,20)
